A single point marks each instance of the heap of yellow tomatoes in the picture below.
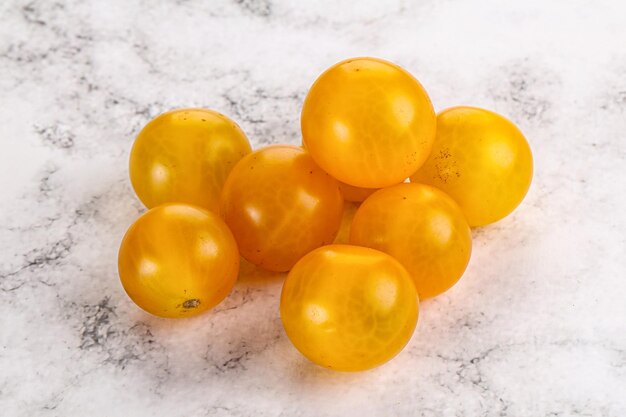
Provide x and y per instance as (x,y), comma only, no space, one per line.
(367,127)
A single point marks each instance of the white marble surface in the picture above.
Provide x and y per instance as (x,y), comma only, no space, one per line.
(537,326)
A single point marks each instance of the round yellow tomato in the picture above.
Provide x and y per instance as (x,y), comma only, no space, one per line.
(348,308)
(185,156)
(355,194)
(422,228)
(368,123)
(481,160)
(280,205)
(178,260)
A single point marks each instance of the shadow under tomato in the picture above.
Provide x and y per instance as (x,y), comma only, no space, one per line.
(250,273)
(308,376)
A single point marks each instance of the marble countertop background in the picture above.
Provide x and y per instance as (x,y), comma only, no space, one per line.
(537,326)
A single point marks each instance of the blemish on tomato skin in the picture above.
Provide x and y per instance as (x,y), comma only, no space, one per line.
(193,303)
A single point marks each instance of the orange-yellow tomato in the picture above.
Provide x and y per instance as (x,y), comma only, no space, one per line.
(481,160)
(185,156)
(355,194)
(422,228)
(280,205)
(178,260)
(368,123)
(348,308)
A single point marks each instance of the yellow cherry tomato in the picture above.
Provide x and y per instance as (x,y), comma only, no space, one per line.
(185,156)
(280,205)
(178,260)
(348,308)
(368,123)
(422,228)
(355,194)
(481,160)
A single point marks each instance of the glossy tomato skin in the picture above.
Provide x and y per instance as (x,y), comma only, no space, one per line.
(481,160)
(178,260)
(280,205)
(368,123)
(348,308)
(185,156)
(422,228)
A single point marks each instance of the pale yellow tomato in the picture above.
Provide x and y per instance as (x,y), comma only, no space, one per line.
(178,260)
(481,160)
(368,123)
(185,156)
(280,205)
(422,228)
(348,308)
